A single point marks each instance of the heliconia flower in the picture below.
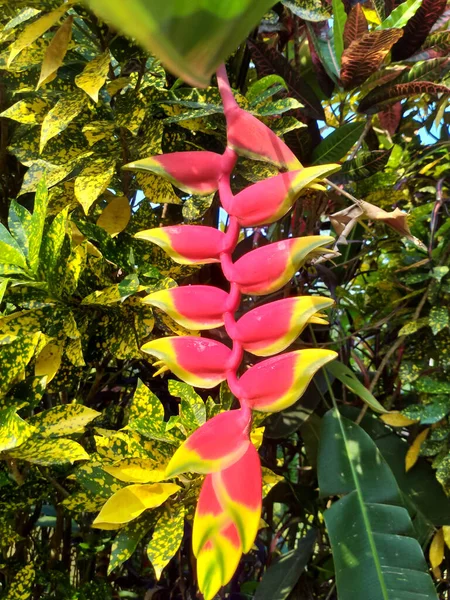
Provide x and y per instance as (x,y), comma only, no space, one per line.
(187,244)
(268,200)
(249,137)
(216,445)
(192,172)
(194,306)
(276,383)
(210,516)
(238,489)
(198,361)
(218,560)
(269,268)
(273,327)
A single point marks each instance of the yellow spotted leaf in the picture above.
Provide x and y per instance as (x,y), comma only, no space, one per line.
(14,357)
(269,480)
(256,436)
(61,115)
(413,452)
(94,75)
(34,30)
(84,502)
(166,539)
(157,189)
(127,539)
(131,501)
(43,451)
(56,52)
(116,216)
(138,470)
(49,361)
(21,586)
(13,430)
(29,111)
(63,420)
(436,553)
(93,181)
(396,419)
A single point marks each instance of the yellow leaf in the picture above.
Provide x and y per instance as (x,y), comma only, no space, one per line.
(34,31)
(137,470)
(396,419)
(371,16)
(63,420)
(116,216)
(48,361)
(446,534)
(256,437)
(129,502)
(60,116)
(413,453)
(269,480)
(437,549)
(29,112)
(56,51)
(94,75)
(93,181)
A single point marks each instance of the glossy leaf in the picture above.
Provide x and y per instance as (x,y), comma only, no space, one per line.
(192,41)
(13,430)
(355,26)
(385,95)
(62,420)
(56,51)
(349,379)
(369,522)
(339,20)
(61,115)
(93,181)
(166,539)
(127,539)
(94,75)
(131,501)
(312,10)
(417,28)
(401,14)
(336,145)
(49,451)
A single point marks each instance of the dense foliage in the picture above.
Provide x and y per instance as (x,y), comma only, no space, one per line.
(82,417)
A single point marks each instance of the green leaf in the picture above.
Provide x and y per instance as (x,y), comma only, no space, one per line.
(36,227)
(166,539)
(436,408)
(265,88)
(401,15)
(336,145)
(19,221)
(3,286)
(49,451)
(62,420)
(128,538)
(193,410)
(13,430)
(280,579)
(364,165)
(429,385)
(115,293)
(10,252)
(370,530)
(21,586)
(50,258)
(413,326)
(438,319)
(192,39)
(339,20)
(349,379)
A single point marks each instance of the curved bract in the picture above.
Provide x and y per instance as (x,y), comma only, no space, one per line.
(229,506)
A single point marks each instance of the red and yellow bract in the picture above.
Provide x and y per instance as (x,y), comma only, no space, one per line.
(229,507)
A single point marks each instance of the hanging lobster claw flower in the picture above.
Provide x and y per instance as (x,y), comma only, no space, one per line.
(239,491)
(193,172)
(192,306)
(278,193)
(269,268)
(218,560)
(273,327)
(197,361)
(216,445)
(187,244)
(249,137)
(276,383)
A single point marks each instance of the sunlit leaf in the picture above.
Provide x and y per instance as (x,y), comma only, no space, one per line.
(166,539)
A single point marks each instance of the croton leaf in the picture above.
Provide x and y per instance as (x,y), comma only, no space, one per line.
(364,165)
(365,55)
(417,28)
(386,95)
(390,117)
(356,25)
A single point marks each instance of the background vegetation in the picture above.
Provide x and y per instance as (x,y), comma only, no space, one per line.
(81,416)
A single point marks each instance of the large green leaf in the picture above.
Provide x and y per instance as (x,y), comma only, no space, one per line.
(401,15)
(349,379)
(191,38)
(372,537)
(280,579)
(339,19)
(336,145)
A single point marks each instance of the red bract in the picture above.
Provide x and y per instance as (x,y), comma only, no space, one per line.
(228,511)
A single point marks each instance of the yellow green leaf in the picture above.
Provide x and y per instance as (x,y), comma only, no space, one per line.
(49,451)
(34,30)
(13,430)
(256,436)
(157,189)
(21,586)
(115,293)
(61,115)
(138,470)
(115,216)
(49,361)
(29,111)
(396,419)
(436,553)
(166,539)
(93,181)
(63,420)
(14,357)
(131,501)
(269,480)
(94,75)
(83,502)
(36,226)
(56,51)
(127,539)
(414,450)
